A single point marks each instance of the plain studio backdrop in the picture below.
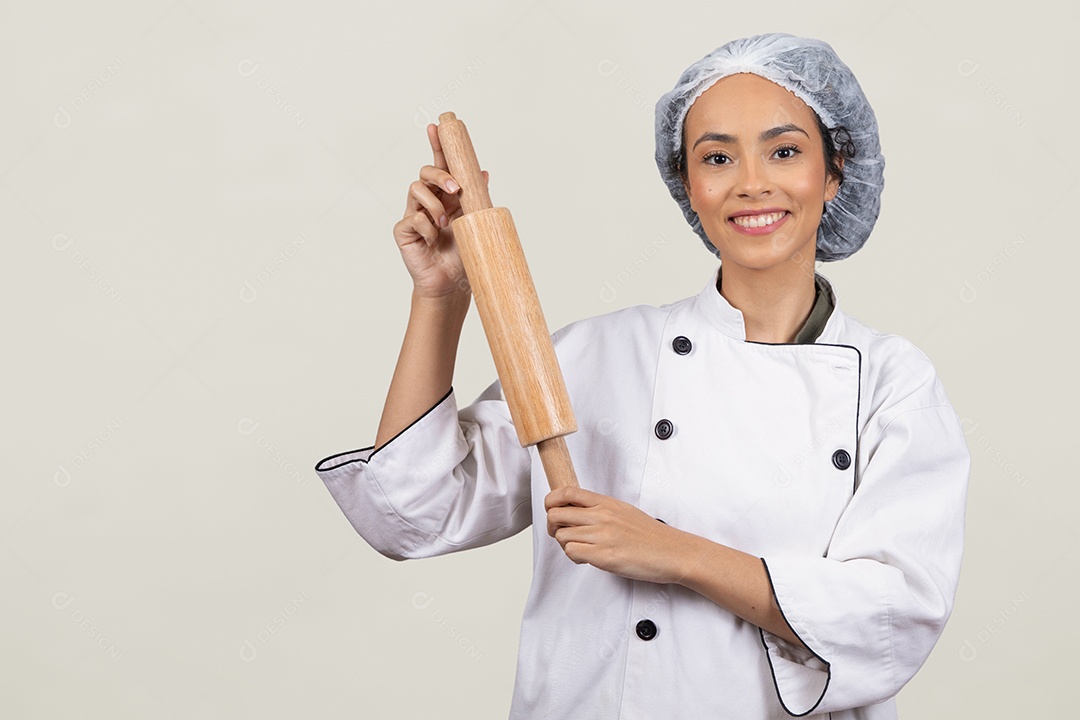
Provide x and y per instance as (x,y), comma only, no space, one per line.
(202,298)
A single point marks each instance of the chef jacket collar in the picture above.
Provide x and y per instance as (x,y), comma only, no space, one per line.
(728,319)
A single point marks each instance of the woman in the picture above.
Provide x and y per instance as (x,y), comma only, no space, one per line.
(772,506)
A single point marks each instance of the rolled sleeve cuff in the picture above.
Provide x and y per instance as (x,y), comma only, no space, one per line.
(800,676)
(413,461)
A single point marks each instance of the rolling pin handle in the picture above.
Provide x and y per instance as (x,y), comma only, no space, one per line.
(557,464)
(461,161)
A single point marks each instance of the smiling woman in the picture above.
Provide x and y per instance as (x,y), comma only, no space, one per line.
(759,194)
(771,512)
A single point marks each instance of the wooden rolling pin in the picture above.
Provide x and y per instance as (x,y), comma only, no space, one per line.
(510,311)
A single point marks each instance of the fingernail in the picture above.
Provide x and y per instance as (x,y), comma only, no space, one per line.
(452,186)
(443,222)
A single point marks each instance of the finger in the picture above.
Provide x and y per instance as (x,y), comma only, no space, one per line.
(436,146)
(438,178)
(415,225)
(425,227)
(553,523)
(571,515)
(555,519)
(422,198)
(576,551)
(568,495)
(555,498)
(580,533)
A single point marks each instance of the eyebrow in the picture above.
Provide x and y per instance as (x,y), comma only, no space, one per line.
(766,135)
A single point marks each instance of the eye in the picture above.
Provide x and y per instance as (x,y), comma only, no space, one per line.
(709,157)
(794,150)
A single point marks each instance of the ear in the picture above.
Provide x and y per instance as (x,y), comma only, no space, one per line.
(832,184)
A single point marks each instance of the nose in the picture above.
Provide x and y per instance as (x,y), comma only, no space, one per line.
(753,178)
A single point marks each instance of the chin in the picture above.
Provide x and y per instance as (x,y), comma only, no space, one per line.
(753,263)
(761,254)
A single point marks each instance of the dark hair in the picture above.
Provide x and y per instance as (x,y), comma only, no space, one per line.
(835,142)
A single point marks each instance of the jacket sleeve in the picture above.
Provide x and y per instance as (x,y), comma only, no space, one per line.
(450,481)
(872,609)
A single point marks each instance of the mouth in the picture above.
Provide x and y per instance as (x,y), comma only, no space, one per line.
(760,223)
(758,220)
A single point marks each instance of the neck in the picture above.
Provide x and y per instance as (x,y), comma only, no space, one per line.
(775,302)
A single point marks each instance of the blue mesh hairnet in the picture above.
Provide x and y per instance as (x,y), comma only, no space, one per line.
(812,71)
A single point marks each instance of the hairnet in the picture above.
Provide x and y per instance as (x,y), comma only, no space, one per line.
(812,71)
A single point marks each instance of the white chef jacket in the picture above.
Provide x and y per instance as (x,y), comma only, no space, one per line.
(840,463)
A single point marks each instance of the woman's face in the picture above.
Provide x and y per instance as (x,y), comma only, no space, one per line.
(754,147)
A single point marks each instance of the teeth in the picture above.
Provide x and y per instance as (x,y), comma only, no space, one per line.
(753,221)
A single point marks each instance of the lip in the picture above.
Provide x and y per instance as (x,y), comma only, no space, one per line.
(764,230)
(758,211)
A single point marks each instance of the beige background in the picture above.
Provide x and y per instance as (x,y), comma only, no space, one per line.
(202,298)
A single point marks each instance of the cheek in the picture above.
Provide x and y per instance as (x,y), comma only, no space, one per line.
(705,188)
(806,187)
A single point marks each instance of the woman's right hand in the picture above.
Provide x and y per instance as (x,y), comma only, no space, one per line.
(424,236)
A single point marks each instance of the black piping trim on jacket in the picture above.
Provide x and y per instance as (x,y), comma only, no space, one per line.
(858,409)
(768,655)
(854,476)
(350,452)
(858,401)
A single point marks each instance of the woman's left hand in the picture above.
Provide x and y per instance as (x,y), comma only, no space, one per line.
(613,535)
